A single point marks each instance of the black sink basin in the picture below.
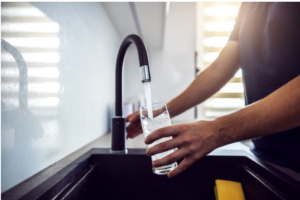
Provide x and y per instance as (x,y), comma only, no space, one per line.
(100,175)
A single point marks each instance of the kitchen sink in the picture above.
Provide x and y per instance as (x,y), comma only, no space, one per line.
(99,174)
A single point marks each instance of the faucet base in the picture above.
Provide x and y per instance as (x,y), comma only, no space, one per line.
(118,134)
(119,152)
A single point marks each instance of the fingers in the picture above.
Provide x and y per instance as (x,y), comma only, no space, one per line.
(164,146)
(160,133)
(134,133)
(129,116)
(133,117)
(133,126)
(173,157)
(187,162)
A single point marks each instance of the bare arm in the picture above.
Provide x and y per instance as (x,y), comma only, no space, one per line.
(277,112)
(209,81)
(205,85)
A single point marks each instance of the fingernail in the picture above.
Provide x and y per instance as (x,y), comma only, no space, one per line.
(154,164)
(147,152)
(169,175)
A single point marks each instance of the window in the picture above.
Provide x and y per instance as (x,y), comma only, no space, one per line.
(215,23)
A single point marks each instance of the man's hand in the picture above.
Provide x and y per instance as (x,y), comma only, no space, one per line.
(135,127)
(193,140)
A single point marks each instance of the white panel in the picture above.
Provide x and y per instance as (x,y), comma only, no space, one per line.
(151,17)
(121,16)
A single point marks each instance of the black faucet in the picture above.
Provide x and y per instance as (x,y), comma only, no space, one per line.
(118,122)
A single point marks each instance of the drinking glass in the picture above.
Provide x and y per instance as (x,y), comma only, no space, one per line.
(160,119)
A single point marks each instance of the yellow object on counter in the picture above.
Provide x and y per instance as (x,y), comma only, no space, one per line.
(216,193)
(228,190)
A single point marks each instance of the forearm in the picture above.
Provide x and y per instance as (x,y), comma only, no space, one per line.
(205,85)
(275,113)
(209,81)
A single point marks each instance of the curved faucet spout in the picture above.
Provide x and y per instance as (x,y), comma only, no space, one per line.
(118,122)
(144,67)
(141,49)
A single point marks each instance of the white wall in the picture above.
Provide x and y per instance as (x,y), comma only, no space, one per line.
(172,68)
(87,55)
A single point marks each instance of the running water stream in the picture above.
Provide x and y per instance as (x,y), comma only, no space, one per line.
(148,99)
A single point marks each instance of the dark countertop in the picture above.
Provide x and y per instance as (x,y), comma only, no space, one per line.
(104,142)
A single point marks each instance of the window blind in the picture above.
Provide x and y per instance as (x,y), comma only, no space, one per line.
(216,21)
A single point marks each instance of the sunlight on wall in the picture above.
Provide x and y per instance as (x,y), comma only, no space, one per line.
(57,82)
(36,37)
(222,10)
(28,29)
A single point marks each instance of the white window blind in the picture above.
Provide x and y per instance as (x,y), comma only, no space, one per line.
(215,23)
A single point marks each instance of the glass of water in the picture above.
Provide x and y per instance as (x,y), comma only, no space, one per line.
(160,119)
